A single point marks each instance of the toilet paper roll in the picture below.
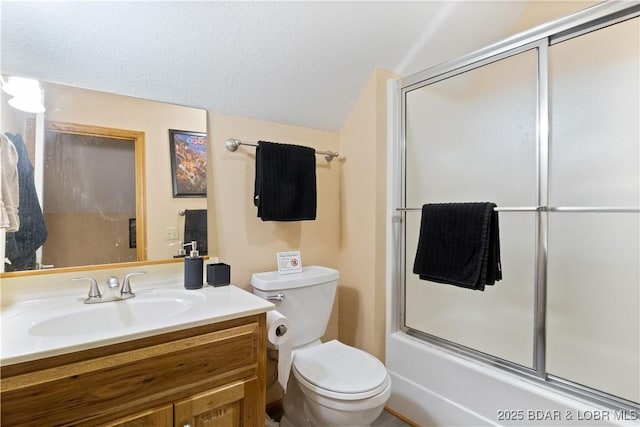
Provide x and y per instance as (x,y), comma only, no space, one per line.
(277,329)
(278,332)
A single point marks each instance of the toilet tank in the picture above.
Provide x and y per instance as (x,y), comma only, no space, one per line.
(307,299)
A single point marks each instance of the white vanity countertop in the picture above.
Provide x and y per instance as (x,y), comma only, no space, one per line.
(35,328)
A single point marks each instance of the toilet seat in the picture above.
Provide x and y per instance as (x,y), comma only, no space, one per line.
(339,371)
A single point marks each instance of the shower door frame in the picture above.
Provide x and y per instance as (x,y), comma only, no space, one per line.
(540,39)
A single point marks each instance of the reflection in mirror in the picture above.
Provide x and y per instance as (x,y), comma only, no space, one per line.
(102,179)
(99,164)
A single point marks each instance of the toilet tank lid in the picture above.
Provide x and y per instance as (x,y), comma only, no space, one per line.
(312,275)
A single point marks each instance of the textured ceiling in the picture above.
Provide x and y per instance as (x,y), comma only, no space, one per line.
(301,63)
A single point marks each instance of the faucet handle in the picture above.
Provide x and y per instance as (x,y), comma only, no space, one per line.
(126,285)
(94,291)
(112,282)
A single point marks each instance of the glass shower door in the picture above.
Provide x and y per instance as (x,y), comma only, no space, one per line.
(472,138)
(593,315)
(552,136)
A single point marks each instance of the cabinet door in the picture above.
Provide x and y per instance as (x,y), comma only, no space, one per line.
(161,416)
(224,406)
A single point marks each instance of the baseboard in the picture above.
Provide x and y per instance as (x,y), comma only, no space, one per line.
(401,417)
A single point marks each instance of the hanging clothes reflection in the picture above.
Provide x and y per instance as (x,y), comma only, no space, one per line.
(22,244)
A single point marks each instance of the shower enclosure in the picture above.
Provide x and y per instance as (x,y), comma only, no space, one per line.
(547,126)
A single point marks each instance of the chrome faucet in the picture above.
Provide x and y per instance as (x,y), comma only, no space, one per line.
(95,296)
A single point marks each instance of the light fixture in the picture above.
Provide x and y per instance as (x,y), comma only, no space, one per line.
(27,94)
(27,104)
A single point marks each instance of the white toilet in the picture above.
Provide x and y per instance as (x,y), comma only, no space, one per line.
(331,384)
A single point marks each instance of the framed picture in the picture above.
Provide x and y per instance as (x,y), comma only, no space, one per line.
(188,163)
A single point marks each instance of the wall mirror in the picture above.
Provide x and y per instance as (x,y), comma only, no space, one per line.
(102,175)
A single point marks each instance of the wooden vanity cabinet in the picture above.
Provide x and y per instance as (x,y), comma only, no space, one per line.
(220,407)
(162,416)
(211,375)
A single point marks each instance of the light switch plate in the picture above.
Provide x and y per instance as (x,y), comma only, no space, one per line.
(171,233)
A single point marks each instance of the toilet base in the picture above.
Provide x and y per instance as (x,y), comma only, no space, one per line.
(293,406)
(340,418)
(285,422)
(316,411)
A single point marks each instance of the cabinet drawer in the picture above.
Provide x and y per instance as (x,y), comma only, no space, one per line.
(157,417)
(219,407)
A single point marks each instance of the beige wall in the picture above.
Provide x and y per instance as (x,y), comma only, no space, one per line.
(243,240)
(363,142)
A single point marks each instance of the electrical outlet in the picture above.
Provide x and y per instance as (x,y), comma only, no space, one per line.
(171,233)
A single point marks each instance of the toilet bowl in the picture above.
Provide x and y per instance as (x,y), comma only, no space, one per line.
(342,386)
(331,384)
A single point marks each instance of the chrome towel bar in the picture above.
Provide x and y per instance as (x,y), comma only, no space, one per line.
(232,144)
(613,209)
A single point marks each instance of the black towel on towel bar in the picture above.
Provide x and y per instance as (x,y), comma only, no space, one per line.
(285,183)
(459,244)
(195,229)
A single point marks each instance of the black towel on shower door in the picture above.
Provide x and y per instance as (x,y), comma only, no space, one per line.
(195,229)
(285,182)
(459,244)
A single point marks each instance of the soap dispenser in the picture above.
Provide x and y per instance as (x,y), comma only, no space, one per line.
(193,268)
(181,251)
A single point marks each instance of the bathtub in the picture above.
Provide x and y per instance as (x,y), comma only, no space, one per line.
(436,387)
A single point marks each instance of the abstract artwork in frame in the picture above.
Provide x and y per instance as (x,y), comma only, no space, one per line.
(188,163)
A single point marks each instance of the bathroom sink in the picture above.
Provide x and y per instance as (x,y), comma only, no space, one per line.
(120,314)
(73,318)
(49,325)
